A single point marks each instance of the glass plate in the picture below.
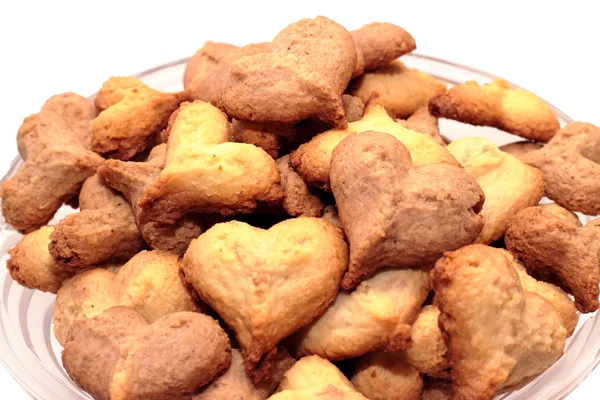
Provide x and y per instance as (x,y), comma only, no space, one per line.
(31,354)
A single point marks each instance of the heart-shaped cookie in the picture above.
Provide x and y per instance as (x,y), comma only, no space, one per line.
(55,144)
(312,159)
(313,377)
(235,384)
(402,90)
(304,76)
(131,179)
(508,338)
(204,172)
(377,315)
(397,214)
(546,243)
(509,184)
(118,355)
(266,284)
(563,304)
(497,104)
(132,114)
(150,282)
(571,167)
(104,230)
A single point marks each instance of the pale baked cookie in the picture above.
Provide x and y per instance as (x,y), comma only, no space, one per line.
(570,166)
(303,76)
(312,160)
(519,149)
(55,144)
(402,90)
(298,197)
(553,294)
(386,376)
(132,179)
(511,336)
(563,213)
(543,240)
(509,185)
(150,282)
(103,231)
(235,384)
(496,104)
(247,274)
(398,214)
(204,172)
(427,351)
(424,122)
(270,137)
(377,315)
(118,355)
(315,378)
(381,43)
(209,66)
(32,266)
(132,114)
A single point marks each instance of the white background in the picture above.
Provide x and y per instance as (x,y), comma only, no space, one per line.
(52,47)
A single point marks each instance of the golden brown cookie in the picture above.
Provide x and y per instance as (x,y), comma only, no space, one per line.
(150,282)
(377,315)
(132,179)
(570,166)
(519,149)
(315,378)
(118,355)
(247,274)
(270,137)
(563,213)
(386,376)
(104,230)
(235,384)
(132,114)
(402,90)
(509,185)
(55,144)
(427,351)
(298,197)
(553,294)
(415,213)
(424,122)
(304,76)
(204,172)
(312,160)
(543,240)
(32,266)
(206,60)
(208,67)
(381,43)
(307,129)
(508,339)
(496,104)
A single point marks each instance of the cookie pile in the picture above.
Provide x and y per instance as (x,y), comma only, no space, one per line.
(292,225)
